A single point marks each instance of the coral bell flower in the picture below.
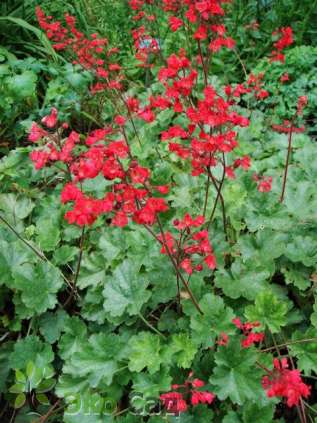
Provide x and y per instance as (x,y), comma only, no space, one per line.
(51,120)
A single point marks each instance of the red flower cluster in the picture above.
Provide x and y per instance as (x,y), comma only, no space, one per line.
(282,382)
(177,402)
(247,328)
(285,35)
(189,245)
(131,193)
(91,53)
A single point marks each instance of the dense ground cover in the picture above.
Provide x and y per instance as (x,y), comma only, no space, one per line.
(158,245)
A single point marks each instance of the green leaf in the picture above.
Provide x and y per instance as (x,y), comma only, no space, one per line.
(17,388)
(51,325)
(253,412)
(303,249)
(19,401)
(46,385)
(20,377)
(152,385)
(126,290)
(145,352)
(313,317)
(112,245)
(71,342)
(38,285)
(32,349)
(268,310)
(217,318)
(23,85)
(245,279)
(42,399)
(297,275)
(97,359)
(15,207)
(232,417)
(236,375)
(68,386)
(65,254)
(305,352)
(180,350)
(48,234)
(5,351)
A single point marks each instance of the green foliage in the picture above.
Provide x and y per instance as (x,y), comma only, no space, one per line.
(123,330)
(235,375)
(268,310)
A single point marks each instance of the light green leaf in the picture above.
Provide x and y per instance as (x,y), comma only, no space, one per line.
(152,385)
(48,234)
(52,325)
(305,352)
(245,279)
(97,359)
(126,290)
(32,349)
(217,318)
(15,207)
(38,285)
(145,352)
(180,350)
(19,400)
(71,342)
(268,310)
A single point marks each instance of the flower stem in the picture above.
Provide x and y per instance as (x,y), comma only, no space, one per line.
(289,150)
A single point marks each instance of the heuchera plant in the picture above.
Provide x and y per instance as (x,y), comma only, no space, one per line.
(207,139)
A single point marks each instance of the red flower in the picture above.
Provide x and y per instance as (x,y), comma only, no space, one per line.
(284,77)
(247,328)
(265,185)
(282,382)
(70,192)
(186,265)
(223,339)
(51,120)
(36,133)
(202,397)
(174,402)
(120,120)
(175,23)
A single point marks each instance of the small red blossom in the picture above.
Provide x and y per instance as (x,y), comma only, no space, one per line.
(284,77)
(285,383)
(250,337)
(223,339)
(178,402)
(175,23)
(36,133)
(51,120)
(174,402)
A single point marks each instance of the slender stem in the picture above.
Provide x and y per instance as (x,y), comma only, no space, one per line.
(185,284)
(81,249)
(39,253)
(206,194)
(49,413)
(219,195)
(263,367)
(222,201)
(203,63)
(299,341)
(289,150)
(150,326)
